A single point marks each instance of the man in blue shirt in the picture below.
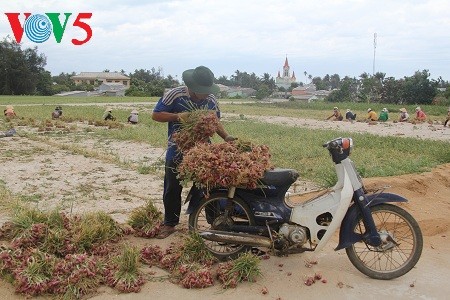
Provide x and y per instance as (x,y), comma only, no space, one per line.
(173,107)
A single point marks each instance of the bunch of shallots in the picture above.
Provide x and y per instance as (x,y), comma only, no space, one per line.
(197,128)
(225,164)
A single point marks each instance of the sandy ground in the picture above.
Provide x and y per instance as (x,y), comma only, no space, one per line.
(100,174)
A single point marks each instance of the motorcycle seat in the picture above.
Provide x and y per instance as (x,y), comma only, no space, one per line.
(279,177)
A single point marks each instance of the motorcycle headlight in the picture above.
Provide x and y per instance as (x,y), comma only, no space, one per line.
(347,145)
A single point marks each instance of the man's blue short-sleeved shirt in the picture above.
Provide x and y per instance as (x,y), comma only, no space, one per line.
(178,100)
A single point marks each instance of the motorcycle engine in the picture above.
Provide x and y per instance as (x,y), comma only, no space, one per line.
(293,233)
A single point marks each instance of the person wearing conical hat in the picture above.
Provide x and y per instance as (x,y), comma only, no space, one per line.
(57,112)
(404,116)
(349,115)
(337,116)
(9,111)
(448,117)
(134,117)
(107,115)
(420,115)
(174,108)
(384,115)
(371,115)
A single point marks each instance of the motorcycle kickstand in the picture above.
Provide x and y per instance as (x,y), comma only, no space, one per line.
(271,249)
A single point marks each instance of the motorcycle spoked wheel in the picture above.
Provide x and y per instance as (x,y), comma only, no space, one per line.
(210,215)
(396,256)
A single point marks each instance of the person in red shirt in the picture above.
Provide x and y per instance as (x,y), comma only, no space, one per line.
(420,115)
(9,111)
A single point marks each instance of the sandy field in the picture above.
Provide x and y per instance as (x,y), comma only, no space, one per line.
(100,174)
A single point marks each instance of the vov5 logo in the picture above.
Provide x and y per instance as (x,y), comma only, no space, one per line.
(38,28)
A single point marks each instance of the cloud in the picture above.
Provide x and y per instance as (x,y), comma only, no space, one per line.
(254,36)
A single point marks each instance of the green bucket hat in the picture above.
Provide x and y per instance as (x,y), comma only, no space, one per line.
(200,80)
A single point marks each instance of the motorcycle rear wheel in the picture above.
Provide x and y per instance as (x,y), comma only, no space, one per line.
(210,215)
(396,256)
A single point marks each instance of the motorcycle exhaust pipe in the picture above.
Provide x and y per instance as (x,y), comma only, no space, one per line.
(236,238)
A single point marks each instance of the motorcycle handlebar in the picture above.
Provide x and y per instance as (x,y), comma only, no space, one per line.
(331,145)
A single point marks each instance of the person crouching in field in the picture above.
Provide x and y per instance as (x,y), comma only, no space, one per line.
(337,116)
(420,115)
(108,115)
(350,116)
(134,117)
(371,115)
(57,113)
(384,116)
(448,117)
(9,112)
(404,116)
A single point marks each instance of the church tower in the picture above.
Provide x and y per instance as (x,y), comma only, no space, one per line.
(285,80)
(286,68)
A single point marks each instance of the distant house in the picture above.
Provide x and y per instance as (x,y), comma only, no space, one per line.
(240,92)
(101,77)
(309,93)
(112,89)
(236,91)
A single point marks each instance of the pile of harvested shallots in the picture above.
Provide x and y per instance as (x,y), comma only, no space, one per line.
(52,253)
(227,164)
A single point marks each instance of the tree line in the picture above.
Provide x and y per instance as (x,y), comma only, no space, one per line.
(22,72)
(416,89)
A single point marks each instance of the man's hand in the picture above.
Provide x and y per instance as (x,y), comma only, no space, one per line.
(229,138)
(184,116)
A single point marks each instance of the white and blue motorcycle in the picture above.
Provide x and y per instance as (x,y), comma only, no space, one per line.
(382,240)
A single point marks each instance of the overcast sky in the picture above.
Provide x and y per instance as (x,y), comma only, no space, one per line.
(254,36)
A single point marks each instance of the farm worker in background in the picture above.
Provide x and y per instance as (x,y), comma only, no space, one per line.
(108,115)
(9,111)
(384,116)
(448,117)
(134,117)
(337,116)
(350,116)
(172,108)
(404,116)
(420,115)
(57,112)
(371,115)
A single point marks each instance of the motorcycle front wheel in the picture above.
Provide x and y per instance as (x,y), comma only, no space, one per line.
(216,213)
(401,247)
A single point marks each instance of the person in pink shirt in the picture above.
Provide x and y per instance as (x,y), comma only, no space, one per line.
(9,111)
(420,115)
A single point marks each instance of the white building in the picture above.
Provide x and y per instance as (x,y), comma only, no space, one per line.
(286,80)
(101,77)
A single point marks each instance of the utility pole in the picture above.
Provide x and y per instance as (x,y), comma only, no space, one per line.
(374,48)
(373,70)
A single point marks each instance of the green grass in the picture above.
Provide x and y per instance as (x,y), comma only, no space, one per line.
(71,113)
(301,149)
(57,100)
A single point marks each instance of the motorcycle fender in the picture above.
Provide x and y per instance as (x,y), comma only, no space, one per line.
(195,196)
(346,235)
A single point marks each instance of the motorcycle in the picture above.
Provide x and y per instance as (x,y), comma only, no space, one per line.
(381,240)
